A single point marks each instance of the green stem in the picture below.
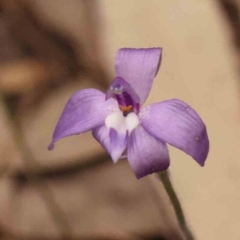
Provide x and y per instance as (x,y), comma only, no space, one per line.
(164,176)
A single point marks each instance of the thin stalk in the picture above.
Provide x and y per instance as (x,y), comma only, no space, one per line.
(164,176)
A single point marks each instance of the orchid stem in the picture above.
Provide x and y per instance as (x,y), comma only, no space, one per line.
(164,176)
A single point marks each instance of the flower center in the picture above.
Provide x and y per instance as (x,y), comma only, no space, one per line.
(122,124)
(122,91)
(125,110)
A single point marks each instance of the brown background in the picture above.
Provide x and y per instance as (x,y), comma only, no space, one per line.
(50,49)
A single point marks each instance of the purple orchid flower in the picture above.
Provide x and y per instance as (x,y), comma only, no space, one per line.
(124,128)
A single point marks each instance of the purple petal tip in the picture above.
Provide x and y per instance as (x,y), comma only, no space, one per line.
(51,146)
(152,170)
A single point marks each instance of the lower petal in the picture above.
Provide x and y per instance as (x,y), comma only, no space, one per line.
(118,144)
(176,123)
(146,154)
(101,134)
(112,141)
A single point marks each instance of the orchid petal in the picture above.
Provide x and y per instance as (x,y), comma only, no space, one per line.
(119,127)
(131,121)
(146,154)
(138,67)
(116,120)
(113,142)
(101,134)
(118,143)
(122,124)
(176,123)
(84,111)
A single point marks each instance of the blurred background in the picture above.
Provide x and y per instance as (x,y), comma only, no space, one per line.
(51,49)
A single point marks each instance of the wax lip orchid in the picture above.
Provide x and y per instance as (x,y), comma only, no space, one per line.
(124,128)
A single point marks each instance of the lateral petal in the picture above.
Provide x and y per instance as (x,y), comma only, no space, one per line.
(85,110)
(175,122)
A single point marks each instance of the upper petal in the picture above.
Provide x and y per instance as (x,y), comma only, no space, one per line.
(146,154)
(138,67)
(176,123)
(85,110)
